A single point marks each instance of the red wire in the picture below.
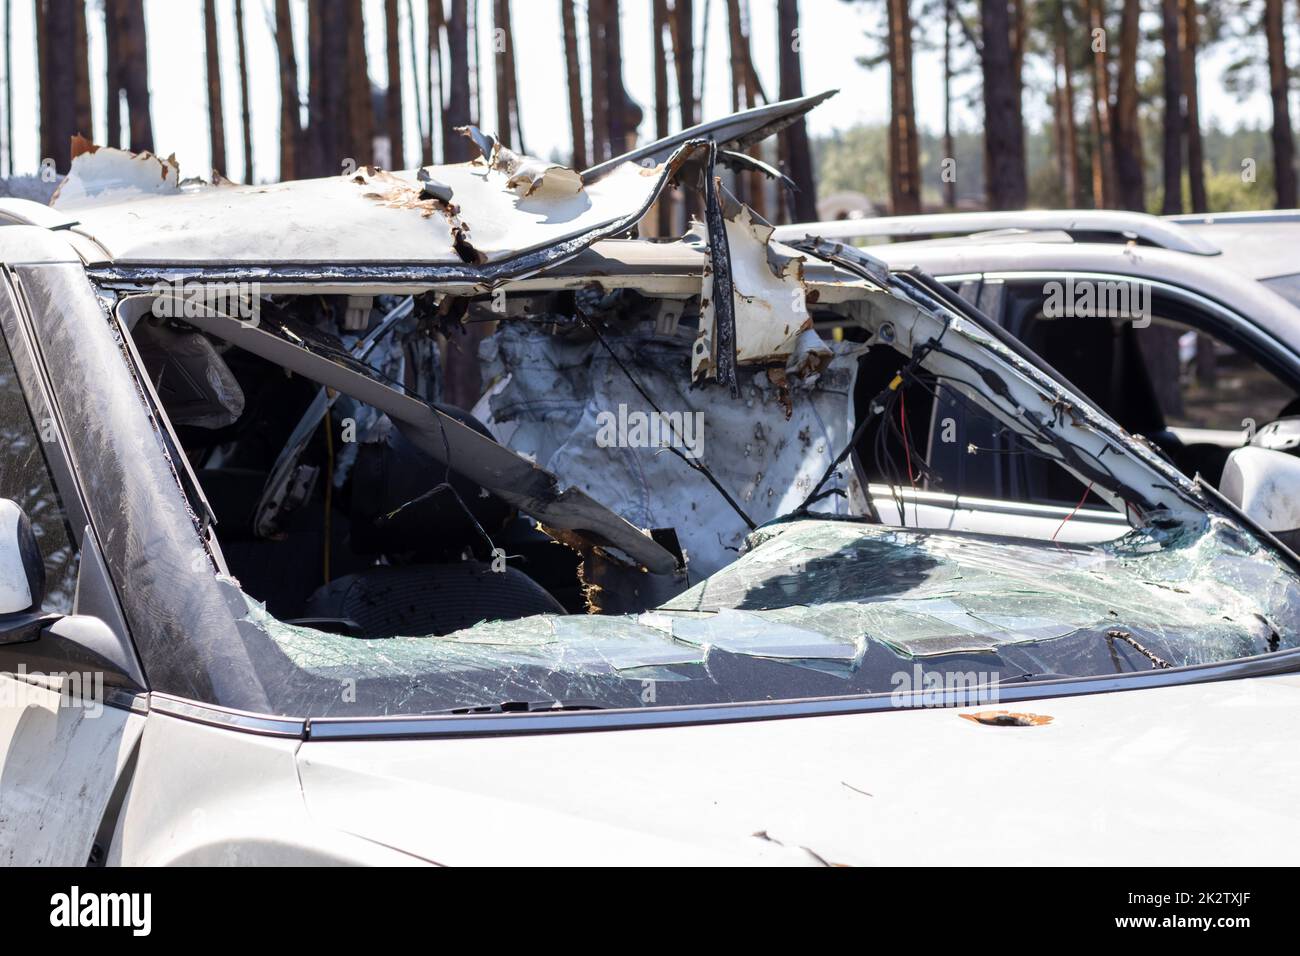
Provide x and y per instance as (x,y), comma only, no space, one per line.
(1073,513)
(902,417)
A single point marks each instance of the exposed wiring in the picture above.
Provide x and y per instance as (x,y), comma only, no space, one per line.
(1074,512)
(907,447)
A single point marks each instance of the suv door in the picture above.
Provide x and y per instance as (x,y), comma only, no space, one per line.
(62,750)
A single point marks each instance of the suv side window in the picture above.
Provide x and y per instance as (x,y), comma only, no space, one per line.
(1213,385)
(25,477)
(1162,375)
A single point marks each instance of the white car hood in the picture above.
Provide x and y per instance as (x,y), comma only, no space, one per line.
(1196,774)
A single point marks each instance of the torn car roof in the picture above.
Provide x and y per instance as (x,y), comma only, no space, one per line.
(500,216)
(370,217)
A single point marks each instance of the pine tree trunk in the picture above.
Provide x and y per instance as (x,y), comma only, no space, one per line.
(624,116)
(904,174)
(512,76)
(739,81)
(393,94)
(433,72)
(794,139)
(81,72)
(244,112)
(475,79)
(1129,177)
(46,137)
(112,78)
(360,123)
(329,129)
(949,182)
(316,137)
(216,121)
(1071,135)
(1004,131)
(658,26)
(1103,152)
(598,79)
(1173,120)
(60,77)
(1278,82)
(573,73)
(413,46)
(133,70)
(455,148)
(682,25)
(508,126)
(1195,149)
(290,126)
(9,93)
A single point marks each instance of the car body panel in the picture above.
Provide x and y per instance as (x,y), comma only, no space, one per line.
(1258,250)
(209,796)
(1202,774)
(50,809)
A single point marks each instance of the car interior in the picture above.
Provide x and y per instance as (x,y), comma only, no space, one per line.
(367,536)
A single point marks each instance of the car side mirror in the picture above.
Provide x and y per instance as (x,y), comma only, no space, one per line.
(50,643)
(22,569)
(22,577)
(1265,485)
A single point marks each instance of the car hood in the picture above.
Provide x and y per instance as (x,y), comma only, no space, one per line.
(1197,774)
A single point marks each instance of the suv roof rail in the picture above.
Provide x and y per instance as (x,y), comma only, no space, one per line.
(1081,225)
(1251,217)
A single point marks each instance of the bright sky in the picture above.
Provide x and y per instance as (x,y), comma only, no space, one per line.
(833,34)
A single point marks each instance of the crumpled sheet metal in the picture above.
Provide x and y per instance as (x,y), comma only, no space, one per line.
(548,406)
(102,174)
(382,219)
(526,175)
(771,302)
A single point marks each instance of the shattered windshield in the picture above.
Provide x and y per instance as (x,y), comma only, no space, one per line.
(822,608)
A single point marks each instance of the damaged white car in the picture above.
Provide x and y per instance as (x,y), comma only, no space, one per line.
(657,598)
